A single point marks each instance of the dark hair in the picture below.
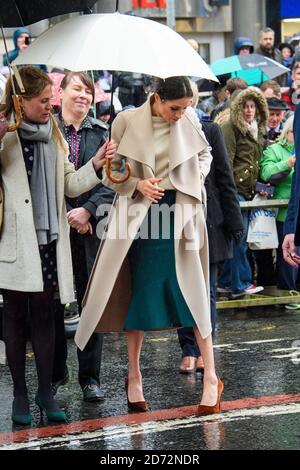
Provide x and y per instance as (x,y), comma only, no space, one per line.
(172,88)
(83,77)
(102,108)
(233,84)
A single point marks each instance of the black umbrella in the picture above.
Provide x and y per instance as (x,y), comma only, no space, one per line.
(15,13)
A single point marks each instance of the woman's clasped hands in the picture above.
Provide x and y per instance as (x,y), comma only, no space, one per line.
(150,189)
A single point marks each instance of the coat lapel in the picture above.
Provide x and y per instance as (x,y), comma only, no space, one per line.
(137,140)
(185,141)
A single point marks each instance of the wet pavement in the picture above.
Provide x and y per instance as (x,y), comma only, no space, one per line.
(257,355)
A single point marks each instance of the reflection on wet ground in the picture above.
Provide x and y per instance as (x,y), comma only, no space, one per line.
(257,355)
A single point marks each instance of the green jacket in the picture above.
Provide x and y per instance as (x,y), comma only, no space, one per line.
(273,161)
(243,149)
(244,153)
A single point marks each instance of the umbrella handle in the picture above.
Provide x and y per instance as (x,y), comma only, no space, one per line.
(18,112)
(117,180)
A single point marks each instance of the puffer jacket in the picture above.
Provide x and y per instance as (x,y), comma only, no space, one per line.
(243,149)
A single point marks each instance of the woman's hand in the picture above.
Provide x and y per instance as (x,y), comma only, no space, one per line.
(3,126)
(85,228)
(289,251)
(107,151)
(78,219)
(150,189)
(291,161)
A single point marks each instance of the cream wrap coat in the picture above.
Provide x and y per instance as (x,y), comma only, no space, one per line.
(20,264)
(108,293)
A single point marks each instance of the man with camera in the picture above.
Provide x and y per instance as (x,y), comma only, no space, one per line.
(22,39)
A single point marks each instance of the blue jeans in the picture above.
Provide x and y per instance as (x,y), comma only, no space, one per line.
(186,335)
(237,274)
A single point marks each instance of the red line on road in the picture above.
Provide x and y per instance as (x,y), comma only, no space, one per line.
(91,425)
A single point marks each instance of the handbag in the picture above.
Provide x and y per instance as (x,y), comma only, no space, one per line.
(262,231)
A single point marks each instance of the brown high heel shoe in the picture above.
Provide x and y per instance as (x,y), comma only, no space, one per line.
(137,405)
(209,410)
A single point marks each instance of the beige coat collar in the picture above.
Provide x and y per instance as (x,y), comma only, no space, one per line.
(137,140)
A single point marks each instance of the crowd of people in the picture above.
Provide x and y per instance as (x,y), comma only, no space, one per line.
(207,155)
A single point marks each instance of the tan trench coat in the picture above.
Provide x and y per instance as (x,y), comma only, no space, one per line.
(20,264)
(108,293)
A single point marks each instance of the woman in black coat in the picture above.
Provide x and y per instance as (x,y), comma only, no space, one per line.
(224,222)
(85,136)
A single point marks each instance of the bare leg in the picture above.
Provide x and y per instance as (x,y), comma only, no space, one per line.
(134,346)
(210,380)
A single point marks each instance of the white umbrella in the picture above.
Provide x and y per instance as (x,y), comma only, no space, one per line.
(116,42)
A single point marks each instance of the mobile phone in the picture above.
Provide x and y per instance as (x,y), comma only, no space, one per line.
(265,188)
(27,40)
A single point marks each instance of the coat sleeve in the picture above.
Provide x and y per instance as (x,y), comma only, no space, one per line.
(293,207)
(127,188)
(204,157)
(100,195)
(272,163)
(225,182)
(230,141)
(80,181)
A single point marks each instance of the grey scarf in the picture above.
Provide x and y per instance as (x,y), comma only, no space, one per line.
(43,180)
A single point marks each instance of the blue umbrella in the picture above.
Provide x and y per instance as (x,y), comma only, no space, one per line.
(253,68)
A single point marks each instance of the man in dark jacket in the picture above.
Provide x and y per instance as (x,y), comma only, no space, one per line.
(267,45)
(85,136)
(224,223)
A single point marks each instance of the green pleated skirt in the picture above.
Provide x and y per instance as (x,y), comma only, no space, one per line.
(157,301)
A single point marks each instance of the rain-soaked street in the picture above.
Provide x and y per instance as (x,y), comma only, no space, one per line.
(257,355)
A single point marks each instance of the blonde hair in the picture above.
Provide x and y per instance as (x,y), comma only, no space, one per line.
(288,125)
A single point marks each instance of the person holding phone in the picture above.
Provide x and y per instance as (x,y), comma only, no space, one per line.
(21,39)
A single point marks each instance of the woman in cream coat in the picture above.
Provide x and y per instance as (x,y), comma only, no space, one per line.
(148,283)
(35,256)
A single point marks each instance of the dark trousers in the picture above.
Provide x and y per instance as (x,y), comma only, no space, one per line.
(84,250)
(186,336)
(286,274)
(35,309)
(265,268)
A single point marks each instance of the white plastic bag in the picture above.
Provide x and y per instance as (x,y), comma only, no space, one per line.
(262,231)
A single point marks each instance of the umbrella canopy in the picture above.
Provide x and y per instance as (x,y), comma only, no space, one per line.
(132,44)
(24,12)
(253,68)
